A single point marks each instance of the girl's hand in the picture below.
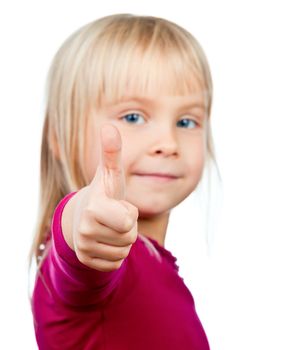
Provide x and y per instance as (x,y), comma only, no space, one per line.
(98,224)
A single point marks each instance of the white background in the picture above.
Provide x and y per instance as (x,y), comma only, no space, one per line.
(240,283)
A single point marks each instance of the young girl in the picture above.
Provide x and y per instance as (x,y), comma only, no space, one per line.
(125,140)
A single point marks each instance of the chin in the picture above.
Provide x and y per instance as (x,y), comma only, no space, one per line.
(149,213)
(153,207)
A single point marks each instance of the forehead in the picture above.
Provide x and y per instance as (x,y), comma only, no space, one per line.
(150,91)
(149,76)
(138,86)
(158,94)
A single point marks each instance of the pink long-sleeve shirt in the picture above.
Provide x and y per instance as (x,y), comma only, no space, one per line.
(142,305)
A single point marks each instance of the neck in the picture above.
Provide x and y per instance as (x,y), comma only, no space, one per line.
(154,227)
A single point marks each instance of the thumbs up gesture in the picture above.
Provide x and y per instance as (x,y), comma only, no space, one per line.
(99,224)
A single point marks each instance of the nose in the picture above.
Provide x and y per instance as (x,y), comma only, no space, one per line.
(164,142)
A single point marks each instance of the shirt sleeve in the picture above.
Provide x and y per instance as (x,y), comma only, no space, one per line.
(74,282)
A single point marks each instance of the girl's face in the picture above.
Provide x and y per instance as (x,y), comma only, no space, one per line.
(164,136)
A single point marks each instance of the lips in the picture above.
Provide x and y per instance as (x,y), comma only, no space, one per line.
(158,175)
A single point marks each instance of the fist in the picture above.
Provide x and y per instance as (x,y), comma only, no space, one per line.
(104,225)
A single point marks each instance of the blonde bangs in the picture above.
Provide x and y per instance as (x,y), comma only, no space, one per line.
(142,58)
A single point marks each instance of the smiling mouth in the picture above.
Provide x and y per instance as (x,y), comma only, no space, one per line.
(158,177)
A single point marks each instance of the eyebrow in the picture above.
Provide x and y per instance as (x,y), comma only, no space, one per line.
(195,104)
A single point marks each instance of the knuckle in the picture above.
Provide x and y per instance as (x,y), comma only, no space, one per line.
(123,253)
(83,259)
(88,213)
(83,230)
(128,223)
(81,245)
(130,238)
(135,212)
(84,227)
(116,264)
(133,239)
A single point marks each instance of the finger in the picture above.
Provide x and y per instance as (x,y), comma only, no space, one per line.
(120,216)
(105,251)
(92,231)
(111,213)
(111,147)
(101,264)
(110,178)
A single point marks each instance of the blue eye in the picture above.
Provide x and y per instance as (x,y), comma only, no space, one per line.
(132,118)
(185,123)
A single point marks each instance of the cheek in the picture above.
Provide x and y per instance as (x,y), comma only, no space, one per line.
(196,160)
(130,152)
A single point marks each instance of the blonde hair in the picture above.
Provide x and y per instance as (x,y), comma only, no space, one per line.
(100,62)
